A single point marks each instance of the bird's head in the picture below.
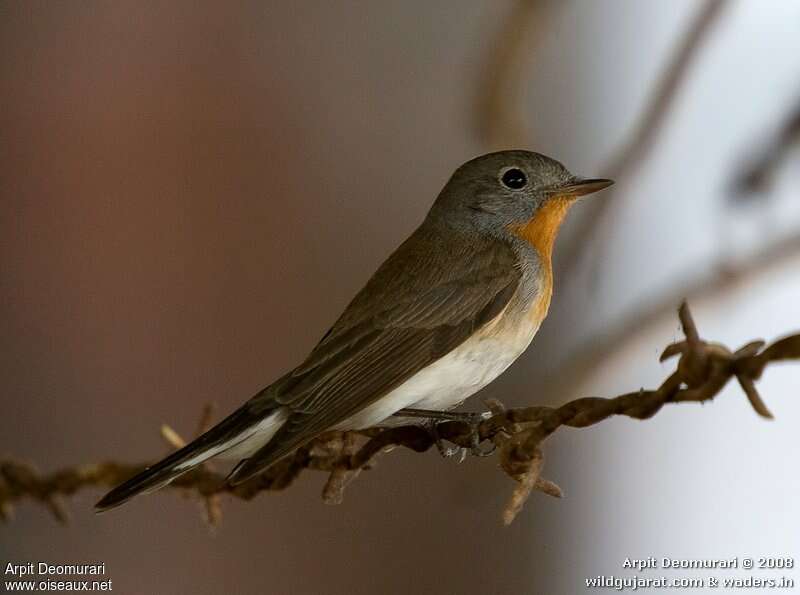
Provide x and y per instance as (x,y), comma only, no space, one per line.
(517,191)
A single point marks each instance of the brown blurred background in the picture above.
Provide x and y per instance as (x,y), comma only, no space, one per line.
(191,193)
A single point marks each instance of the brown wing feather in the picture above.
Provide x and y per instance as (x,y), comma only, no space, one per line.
(416,308)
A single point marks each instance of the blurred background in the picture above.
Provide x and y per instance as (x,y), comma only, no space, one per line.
(192,192)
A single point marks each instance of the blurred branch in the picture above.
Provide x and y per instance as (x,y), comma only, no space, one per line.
(702,371)
(638,147)
(757,177)
(498,117)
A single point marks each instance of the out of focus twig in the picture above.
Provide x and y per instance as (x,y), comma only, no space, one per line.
(703,369)
(499,121)
(757,177)
(633,153)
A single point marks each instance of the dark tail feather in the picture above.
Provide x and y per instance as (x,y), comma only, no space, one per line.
(201,449)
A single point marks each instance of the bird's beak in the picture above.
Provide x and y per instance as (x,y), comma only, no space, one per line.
(582,186)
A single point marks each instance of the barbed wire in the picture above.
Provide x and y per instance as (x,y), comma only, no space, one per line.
(704,368)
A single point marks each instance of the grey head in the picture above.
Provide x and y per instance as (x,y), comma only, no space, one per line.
(504,189)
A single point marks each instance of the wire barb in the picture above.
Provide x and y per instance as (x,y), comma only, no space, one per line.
(703,370)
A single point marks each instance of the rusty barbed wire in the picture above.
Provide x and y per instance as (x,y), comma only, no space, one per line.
(704,368)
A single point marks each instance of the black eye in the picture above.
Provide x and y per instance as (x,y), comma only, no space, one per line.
(514,178)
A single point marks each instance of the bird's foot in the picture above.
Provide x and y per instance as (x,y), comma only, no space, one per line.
(473,419)
(444,450)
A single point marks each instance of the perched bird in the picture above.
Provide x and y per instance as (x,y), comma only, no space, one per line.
(447,312)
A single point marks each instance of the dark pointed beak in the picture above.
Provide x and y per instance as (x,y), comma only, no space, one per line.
(582,186)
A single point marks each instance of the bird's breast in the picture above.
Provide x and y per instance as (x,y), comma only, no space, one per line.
(540,234)
(512,331)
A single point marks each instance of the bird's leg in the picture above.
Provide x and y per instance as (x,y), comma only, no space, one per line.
(445,451)
(473,419)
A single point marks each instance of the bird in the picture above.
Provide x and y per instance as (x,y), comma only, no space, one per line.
(447,312)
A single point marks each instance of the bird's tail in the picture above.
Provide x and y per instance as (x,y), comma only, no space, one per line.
(231,432)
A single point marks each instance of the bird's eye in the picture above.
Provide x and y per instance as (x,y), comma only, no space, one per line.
(514,179)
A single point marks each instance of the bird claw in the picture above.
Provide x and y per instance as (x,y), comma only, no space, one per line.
(475,437)
(451,451)
(474,420)
(444,450)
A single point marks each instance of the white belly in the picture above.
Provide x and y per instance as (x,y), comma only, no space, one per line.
(447,382)
(442,385)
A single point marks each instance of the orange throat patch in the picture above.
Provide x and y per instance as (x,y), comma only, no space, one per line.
(540,232)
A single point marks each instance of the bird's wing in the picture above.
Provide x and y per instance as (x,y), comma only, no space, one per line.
(417,307)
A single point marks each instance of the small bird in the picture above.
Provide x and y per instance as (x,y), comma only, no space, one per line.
(441,318)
